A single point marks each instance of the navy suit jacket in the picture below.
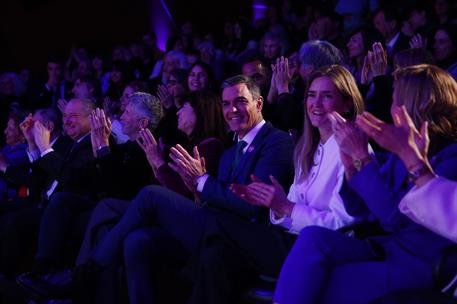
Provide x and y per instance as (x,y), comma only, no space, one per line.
(270,153)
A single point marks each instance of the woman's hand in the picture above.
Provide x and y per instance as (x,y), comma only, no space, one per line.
(402,138)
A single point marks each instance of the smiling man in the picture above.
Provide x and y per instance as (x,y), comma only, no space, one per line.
(175,221)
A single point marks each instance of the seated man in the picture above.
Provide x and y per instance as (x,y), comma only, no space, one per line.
(20,221)
(177,222)
(118,171)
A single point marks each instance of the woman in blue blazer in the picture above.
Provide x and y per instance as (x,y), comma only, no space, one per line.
(326,266)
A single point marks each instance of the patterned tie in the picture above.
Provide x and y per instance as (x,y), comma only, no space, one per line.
(238,153)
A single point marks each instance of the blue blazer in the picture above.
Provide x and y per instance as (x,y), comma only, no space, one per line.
(270,153)
(410,246)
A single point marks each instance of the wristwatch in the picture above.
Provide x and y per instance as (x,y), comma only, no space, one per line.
(359,163)
(417,171)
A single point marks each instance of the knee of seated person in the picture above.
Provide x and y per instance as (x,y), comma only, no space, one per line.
(313,233)
(134,245)
(149,190)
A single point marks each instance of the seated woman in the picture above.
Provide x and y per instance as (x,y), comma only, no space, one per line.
(432,202)
(326,266)
(13,153)
(200,77)
(313,198)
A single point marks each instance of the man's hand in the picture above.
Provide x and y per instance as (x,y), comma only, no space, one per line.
(100,130)
(260,194)
(42,136)
(153,151)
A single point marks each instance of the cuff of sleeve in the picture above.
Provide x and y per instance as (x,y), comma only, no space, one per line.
(276,220)
(33,155)
(201,182)
(102,151)
(47,151)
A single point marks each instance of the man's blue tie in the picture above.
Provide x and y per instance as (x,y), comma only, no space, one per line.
(238,153)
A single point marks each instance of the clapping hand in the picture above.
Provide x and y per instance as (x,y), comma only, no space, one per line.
(402,138)
(417,42)
(153,151)
(27,130)
(374,63)
(166,99)
(282,75)
(259,193)
(188,167)
(100,130)
(42,136)
(352,141)
(61,104)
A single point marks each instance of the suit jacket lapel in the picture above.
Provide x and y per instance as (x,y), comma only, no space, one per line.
(251,151)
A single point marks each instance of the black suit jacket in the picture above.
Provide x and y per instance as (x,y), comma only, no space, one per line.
(75,172)
(33,176)
(124,170)
(402,43)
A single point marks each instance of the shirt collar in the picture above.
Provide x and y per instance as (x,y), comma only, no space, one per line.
(82,137)
(249,137)
(392,41)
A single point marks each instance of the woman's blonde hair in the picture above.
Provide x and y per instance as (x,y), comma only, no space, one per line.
(307,144)
(429,94)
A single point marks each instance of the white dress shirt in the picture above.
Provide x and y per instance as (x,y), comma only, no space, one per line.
(317,200)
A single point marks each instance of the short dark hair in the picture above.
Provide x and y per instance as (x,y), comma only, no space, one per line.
(92,82)
(391,13)
(51,115)
(248,81)
(88,104)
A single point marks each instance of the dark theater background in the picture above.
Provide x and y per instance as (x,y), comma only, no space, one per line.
(32,29)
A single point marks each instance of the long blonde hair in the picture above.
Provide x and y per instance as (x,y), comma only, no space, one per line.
(307,144)
(429,94)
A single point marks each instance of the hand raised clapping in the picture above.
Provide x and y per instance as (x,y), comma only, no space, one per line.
(188,167)
(151,148)
(401,138)
(100,129)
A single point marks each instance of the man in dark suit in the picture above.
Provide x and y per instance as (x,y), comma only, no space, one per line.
(177,224)
(387,21)
(54,89)
(73,187)
(20,219)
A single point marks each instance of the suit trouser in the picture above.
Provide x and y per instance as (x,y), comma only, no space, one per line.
(154,206)
(57,223)
(174,219)
(325,266)
(233,255)
(105,215)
